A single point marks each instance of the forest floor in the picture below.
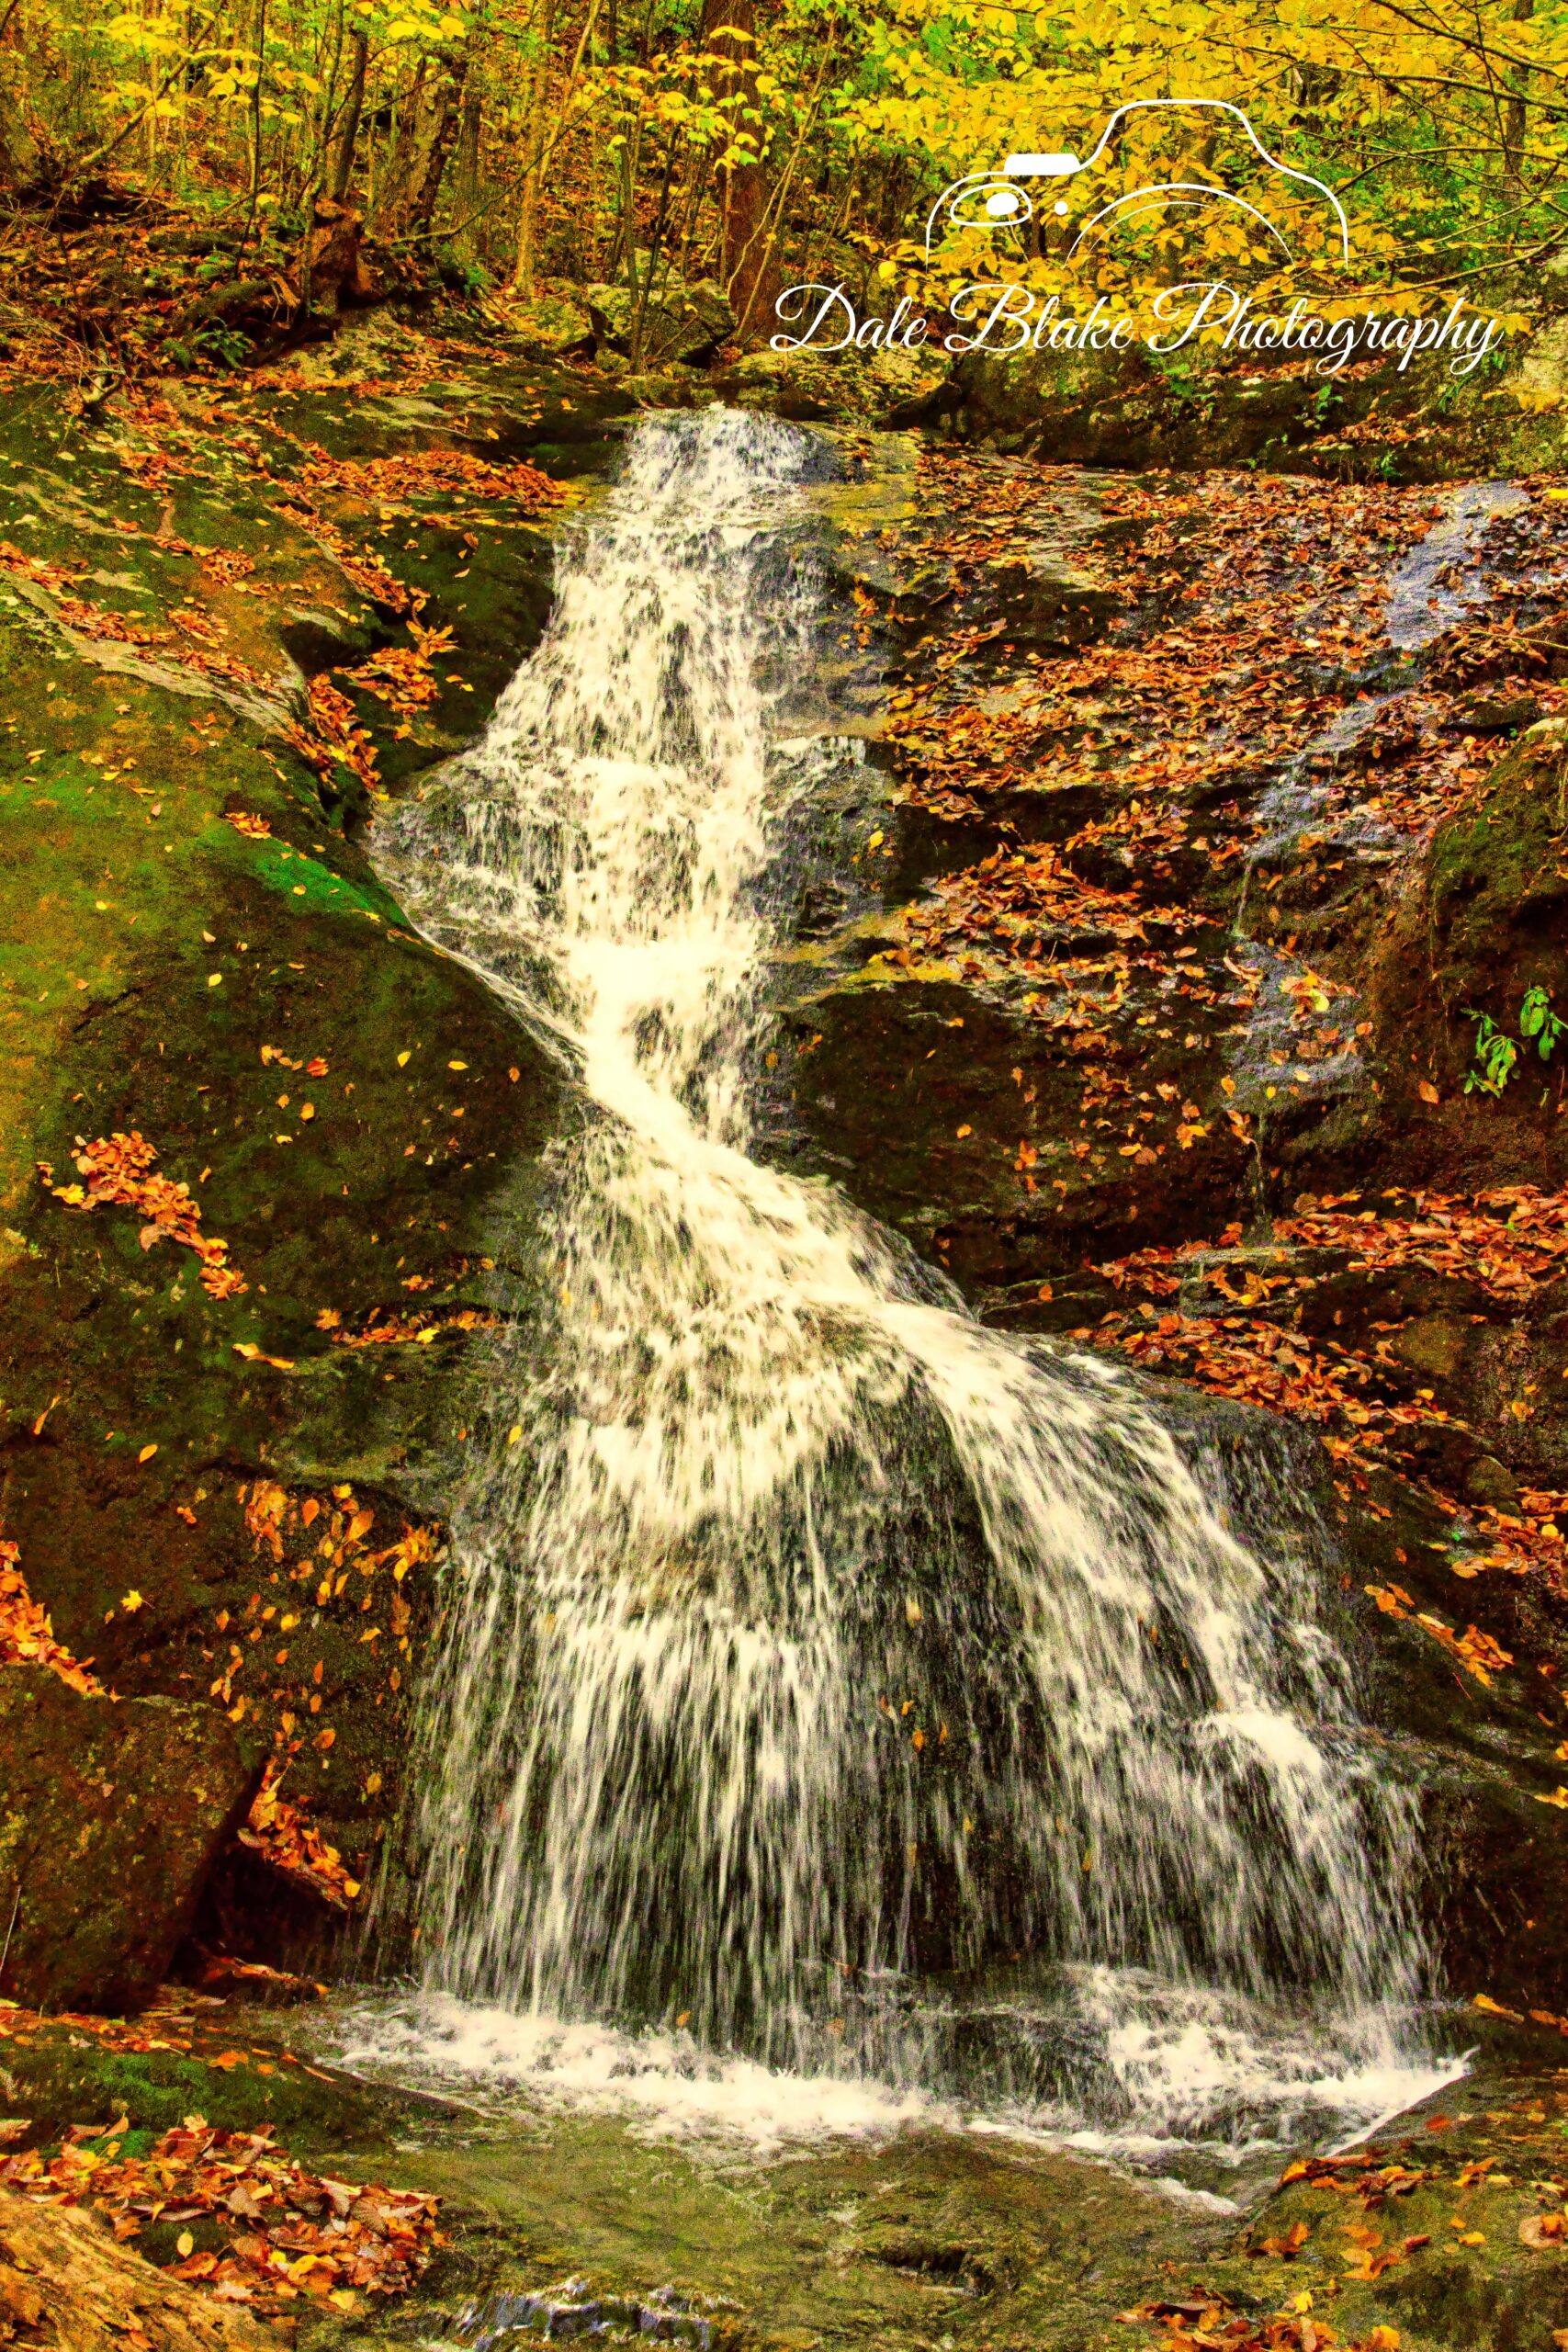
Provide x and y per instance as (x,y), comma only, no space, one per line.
(1140,994)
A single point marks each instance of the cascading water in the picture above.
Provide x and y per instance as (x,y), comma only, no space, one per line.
(832,1685)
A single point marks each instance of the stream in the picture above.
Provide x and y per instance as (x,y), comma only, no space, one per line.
(849,1716)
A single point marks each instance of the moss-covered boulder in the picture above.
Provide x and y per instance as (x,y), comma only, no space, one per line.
(673,321)
(1482,928)
(1498,873)
(111,1813)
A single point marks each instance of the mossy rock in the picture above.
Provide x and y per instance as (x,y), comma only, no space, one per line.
(1498,875)
(1198,409)
(353,1114)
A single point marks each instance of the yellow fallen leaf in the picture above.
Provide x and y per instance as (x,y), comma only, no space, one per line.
(147,1452)
(185,2244)
(131,1601)
(457,1065)
(965,1130)
(215,979)
(402,1059)
(1428,1092)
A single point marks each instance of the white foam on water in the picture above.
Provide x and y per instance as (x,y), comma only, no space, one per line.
(663,2084)
(814,1644)
(1194,2091)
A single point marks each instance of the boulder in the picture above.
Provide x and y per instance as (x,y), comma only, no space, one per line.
(681,322)
(882,388)
(552,324)
(111,1814)
(1200,408)
(1485,713)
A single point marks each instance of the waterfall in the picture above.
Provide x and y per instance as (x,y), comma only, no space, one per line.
(828,1679)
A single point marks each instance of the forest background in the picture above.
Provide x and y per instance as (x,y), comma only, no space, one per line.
(186,186)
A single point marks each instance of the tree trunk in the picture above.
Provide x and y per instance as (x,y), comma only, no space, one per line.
(470,125)
(729,30)
(256,117)
(526,261)
(10,170)
(442,141)
(1515,117)
(536,139)
(354,107)
(403,144)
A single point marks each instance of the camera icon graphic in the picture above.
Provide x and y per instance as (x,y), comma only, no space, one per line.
(1004,198)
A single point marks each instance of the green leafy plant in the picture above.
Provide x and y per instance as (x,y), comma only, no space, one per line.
(1497,1053)
(1538,1019)
(225,344)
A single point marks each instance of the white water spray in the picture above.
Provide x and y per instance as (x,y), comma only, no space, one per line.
(832,1684)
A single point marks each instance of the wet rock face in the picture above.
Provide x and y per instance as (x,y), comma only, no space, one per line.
(111,1813)
(978,1042)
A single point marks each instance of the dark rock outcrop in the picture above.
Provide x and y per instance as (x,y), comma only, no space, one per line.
(111,1814)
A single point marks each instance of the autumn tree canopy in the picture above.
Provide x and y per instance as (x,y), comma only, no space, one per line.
(763,142)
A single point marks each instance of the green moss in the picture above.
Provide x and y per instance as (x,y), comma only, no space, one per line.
(1498,883)
(60,2078)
